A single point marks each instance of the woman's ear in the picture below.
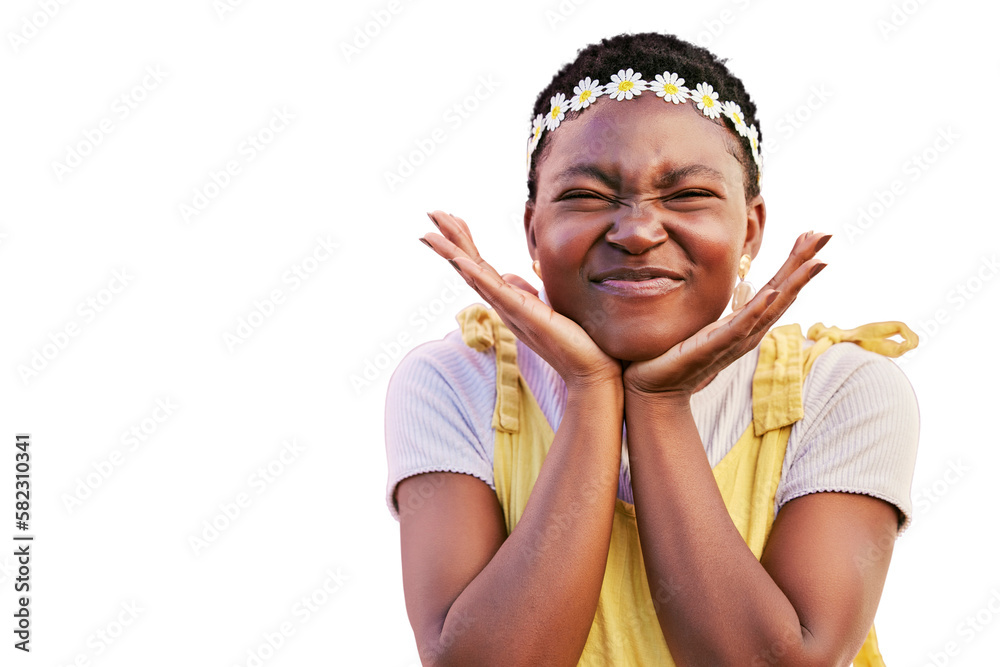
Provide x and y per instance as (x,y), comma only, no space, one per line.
(529,229)
(756,215)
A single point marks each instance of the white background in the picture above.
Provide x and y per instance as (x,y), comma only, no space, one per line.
(889,91)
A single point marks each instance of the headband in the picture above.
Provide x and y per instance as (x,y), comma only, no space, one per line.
(628,84)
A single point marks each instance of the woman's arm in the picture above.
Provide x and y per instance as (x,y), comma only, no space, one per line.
(811,598)
(475,598)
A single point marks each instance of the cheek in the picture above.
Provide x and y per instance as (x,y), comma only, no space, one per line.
(563,249)
(716,258)
(714,247)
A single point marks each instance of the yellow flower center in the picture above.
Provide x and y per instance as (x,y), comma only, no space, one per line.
(538,130)
(625,85)
(555,112)
(585,95)
(707,101)
(671,89)
(736,118)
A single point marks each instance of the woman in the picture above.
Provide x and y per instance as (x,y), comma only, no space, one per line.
(591,492)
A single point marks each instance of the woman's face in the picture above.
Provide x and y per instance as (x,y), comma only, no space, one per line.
(639,222)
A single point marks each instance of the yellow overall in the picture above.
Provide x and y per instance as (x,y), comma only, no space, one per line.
(625,629)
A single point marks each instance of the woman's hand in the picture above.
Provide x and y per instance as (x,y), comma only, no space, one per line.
(557,339)
(692,363)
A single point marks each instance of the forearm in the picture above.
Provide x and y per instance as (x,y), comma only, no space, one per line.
(534,602)
(724,607)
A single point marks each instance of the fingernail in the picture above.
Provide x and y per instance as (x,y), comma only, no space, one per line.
(816,269)
(425,242)
(455,264)
(771,297)
(823,241)
(434,221)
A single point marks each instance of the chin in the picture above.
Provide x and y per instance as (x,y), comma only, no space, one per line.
(627,344)
(641,337)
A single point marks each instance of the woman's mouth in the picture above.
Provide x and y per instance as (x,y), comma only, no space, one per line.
(637,282)
(637,288)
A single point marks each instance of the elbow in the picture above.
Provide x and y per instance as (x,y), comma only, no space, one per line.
(441,655)
(451,650)
(799,649)
(788,648)
(440,651)
(450,645)
(435,656)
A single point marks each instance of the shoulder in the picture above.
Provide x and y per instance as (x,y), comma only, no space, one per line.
(438,413)
(449,369)
(859,432)
(870,381)
(445,363)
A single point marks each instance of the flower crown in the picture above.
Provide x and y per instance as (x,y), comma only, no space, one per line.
(627,84)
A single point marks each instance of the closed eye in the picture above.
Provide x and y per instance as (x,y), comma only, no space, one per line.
(587,201)
(583,194)
(692,193)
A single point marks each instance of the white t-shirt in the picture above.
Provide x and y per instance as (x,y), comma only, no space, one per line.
(858,435)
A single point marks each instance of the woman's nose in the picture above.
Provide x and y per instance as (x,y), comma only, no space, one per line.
(637,228)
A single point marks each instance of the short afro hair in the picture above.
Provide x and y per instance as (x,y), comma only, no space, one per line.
(651,53)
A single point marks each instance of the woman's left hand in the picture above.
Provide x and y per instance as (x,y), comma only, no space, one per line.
(691,364)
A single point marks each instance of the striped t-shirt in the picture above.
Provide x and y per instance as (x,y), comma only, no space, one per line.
(858,435)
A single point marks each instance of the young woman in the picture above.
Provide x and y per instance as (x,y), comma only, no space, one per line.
(606,472)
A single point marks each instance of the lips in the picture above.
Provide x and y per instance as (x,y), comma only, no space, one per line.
(630,274)
(634,282)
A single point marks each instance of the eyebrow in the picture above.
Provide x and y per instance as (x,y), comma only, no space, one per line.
(665,180)
(591,170)
(668,179)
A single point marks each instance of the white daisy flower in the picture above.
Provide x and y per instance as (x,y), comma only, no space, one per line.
(537,126)
(625,85)
(732,111)
(754,137)
(670,88)
(585,93)
(707,99)
(557,112)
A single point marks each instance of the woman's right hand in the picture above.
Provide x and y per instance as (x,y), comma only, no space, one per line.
(555,338)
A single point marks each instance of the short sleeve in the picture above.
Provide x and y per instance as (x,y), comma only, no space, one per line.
(438,413)
(859,433)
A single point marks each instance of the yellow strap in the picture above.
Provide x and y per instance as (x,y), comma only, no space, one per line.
(777,385)
(777,382)
(874,337)
(482,329)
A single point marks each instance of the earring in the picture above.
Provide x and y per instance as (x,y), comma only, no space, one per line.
(536,266)
(744,290)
